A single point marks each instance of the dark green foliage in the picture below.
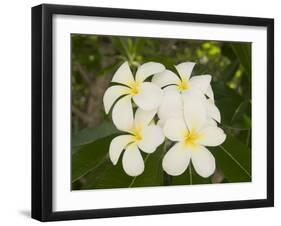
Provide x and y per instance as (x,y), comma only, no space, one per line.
(234,159)
(89,135)
(89,157)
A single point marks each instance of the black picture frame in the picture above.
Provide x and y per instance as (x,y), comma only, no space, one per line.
(42,96)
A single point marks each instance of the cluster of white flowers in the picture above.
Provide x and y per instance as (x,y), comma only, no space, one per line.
(168,106)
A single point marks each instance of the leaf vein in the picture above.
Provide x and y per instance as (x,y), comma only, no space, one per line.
(235,160)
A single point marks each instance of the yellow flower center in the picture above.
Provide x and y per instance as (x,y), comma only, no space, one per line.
(191,138)
(137,134)
(135,88)
(183,85)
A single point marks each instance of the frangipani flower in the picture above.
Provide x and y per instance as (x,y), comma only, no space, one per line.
(171,106)
(141,135)
(175,87)
(191,134)
(183,82)
(145,95)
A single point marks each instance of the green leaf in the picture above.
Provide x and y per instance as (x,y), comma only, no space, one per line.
(241,117)
(236,115)
(110,176)
(223,97)
(107,176)
(89,135)
(234,160)
(89,157)
(243,53)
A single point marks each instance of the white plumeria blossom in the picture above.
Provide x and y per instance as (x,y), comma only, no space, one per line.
(187,115)
(141,135)
(192,133)
(176,86)
(146,95)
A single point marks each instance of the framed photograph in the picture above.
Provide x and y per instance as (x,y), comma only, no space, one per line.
(147,112)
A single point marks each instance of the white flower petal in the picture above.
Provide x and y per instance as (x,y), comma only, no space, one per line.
(171,88)
(213,111)
(148,69)
(203,161)
(122,114)
(165,78)
(175,129)
(143,118)
(211,136)
(210,122)
(171,105)
(210,93)
(200,82)
(160,123)
(185,69)
(117,145)
(152,137)
(123,75)
(149,96)
(195,112)
(132,161)
(112,94)
(176,160)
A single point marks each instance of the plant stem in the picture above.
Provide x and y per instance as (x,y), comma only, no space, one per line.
(133,181)
(190,174)
(167,179)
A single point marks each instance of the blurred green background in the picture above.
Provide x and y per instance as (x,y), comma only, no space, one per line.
(94,61)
